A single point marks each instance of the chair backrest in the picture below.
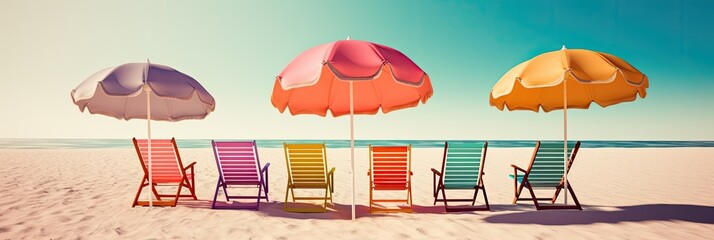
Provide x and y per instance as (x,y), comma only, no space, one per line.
(547,166)
(390,165)
(238,162)
(463,164)
(166,163)
(307,163)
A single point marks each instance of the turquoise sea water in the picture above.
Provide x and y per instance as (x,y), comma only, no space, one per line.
(9,143)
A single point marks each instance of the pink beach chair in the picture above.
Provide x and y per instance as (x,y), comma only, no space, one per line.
(239,166)
(167,170)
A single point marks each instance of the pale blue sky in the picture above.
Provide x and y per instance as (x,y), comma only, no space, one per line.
(236,48)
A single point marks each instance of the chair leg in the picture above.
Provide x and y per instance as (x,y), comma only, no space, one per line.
(485,198)
(519,190)
(535,200)
(265,188)
(193,183)
(225,191)
(371,199)
(287,194)
(473,203)
(436,193)
(178,193)
(557,192)
(191,188)
(215,195)
(410,197)
(156,192)
(443,194)
(257,202)
(324,205)
(575,198)
(141,187)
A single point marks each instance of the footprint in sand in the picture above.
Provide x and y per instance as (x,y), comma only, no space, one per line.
(64,219)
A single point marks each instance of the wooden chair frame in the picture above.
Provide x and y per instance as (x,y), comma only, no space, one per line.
(310,151)
(374,187)
(239,148)
(187,180)
(518,188)
(439,187)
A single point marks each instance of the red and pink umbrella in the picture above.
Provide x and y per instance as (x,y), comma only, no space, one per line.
(350,77)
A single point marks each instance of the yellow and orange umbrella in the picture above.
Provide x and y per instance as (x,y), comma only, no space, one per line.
(568,78)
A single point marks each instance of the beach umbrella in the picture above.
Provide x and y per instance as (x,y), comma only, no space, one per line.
(144,91)
(568,78)
(350,77)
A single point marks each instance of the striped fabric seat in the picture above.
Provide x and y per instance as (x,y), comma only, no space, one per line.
(390,170)
(166,168)
(461,169)
(307,169)
(239,165)
(546,170)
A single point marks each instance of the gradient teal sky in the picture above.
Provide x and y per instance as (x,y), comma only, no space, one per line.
(236,48)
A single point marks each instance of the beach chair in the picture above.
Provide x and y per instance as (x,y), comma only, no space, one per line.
(239,166)
(167,170)
(545,171)
(390,170)
(461,169)
(307,169)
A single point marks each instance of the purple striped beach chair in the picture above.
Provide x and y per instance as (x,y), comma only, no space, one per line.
(239,166)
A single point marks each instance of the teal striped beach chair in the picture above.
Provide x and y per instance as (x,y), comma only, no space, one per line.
(545,171)
(461,169)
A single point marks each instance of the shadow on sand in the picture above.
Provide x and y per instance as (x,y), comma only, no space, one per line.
(334,210)
(591,215)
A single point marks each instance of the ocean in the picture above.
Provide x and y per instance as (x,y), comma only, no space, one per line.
(25,143)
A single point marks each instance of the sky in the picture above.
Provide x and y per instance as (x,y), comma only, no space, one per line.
(236,48)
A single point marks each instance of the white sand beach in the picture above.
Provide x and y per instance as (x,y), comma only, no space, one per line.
(627,193)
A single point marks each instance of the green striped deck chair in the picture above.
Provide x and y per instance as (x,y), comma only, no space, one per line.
(545,171)
(461,169)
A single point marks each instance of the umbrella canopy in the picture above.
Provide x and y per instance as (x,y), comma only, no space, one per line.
(350,77)
(120,92)
(319,80)
(568,78)
(590,77)
(144,91)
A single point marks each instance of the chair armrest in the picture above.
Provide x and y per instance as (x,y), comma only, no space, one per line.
(331,176)
(265,167)
(189,166)
(369,172)
(436,172)
(518,168)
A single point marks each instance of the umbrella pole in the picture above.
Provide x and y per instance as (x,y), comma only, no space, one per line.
(148,133)
(565,138)
(352,145)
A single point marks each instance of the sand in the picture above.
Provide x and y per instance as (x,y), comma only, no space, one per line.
(635,193)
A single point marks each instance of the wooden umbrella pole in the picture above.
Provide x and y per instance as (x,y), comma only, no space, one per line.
(565,136)
(147,89)
(352,145)
(148,127)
